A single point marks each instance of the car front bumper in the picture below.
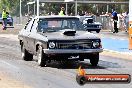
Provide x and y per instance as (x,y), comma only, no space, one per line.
(71,51)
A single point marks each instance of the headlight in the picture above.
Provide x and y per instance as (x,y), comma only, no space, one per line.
(51,45)
(99,26)
(96,44)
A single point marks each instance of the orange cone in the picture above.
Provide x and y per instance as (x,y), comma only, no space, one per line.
(130,35)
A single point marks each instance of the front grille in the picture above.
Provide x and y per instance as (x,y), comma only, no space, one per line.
(92,26)
(74,45)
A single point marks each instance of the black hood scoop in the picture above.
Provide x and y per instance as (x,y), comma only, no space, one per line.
(69,32)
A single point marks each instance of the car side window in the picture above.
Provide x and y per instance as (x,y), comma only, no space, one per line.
(29,25)
(42,25)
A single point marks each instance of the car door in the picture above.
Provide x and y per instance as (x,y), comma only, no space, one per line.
(32,36)
(24,34)
(27,34)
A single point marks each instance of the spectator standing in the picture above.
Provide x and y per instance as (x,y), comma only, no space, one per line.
(126,21)
(78,13)
(4,18)
(82,14)
(62,12)
(121,21)
(115,19)
(71,14)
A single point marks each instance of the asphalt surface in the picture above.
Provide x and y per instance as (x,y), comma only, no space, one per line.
(55,75)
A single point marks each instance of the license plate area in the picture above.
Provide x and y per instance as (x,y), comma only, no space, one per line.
(73,57)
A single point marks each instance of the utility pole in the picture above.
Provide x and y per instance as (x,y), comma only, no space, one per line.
(107,8)
(30,3)
(20,12)
(37,7)
(34,8)
(66,8)
(75,7)
(28,9)
(67,4)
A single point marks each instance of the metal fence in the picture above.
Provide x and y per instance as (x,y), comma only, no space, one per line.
(106,22)
(18,20)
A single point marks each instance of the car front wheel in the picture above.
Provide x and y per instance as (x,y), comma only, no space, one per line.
(94,59)
(25,54)
(41,57)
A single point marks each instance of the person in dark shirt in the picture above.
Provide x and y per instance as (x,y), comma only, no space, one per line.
(82,14)
(115,19)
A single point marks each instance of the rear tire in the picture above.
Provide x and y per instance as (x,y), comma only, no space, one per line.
(97,31)
(89,31)
(94,59)
(41,57)
(25,54)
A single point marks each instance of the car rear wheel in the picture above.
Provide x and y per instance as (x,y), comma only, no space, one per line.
(97,31)
(89,31)
(25,54)
(94,59)
(41,57)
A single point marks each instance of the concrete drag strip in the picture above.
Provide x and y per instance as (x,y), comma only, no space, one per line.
(10,36)
(107,52)
(6,81)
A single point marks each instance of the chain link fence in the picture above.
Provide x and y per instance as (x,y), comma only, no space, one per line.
(106,21)
(18,20)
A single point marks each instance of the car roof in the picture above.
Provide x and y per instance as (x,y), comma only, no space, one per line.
(88,18)
(56,16)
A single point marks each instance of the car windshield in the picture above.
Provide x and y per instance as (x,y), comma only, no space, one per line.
(90,20)
(57,24)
